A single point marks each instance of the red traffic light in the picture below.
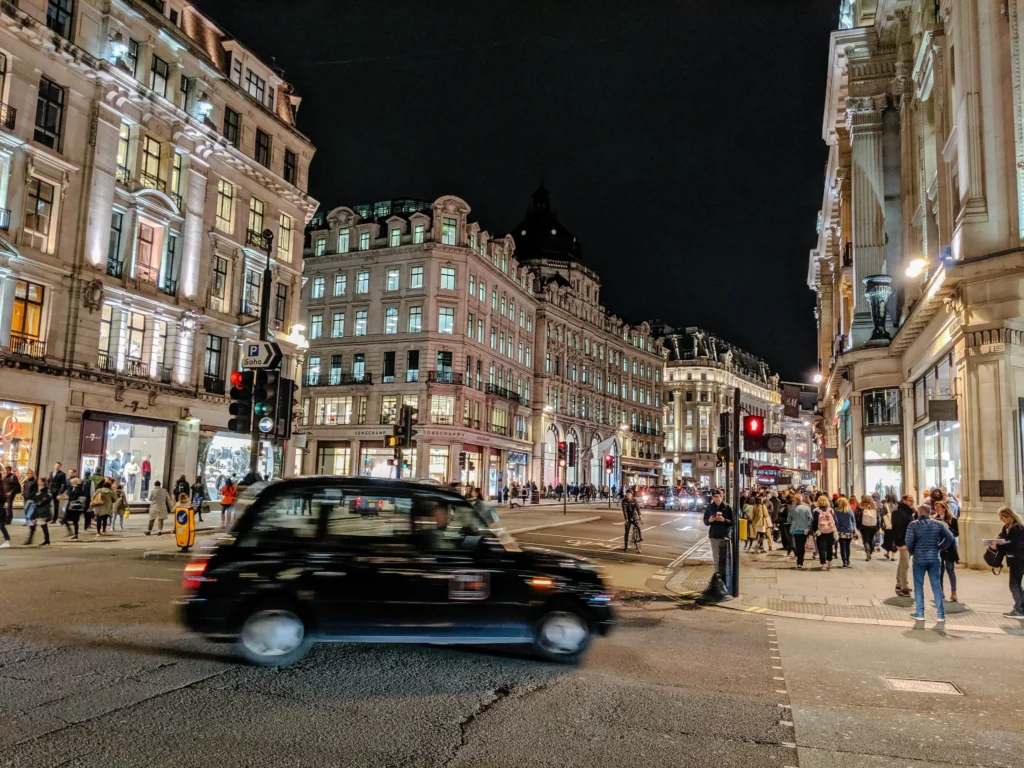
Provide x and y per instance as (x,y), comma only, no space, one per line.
(753,426)
(236,379)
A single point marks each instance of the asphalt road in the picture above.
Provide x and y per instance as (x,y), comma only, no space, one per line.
(94,671)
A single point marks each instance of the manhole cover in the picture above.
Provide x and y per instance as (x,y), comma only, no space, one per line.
(922,686)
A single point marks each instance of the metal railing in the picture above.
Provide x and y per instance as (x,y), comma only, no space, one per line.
(250,308)
(123,175)
(213,384)
(107,362)
(412,375)
(7,116)
(150,181)
(166,375)
(115,268)
(27,347)
(176,199)
(256,239)
(498,429)
(507,394)
(387,378)
(5,219)
(146,272)
(315,379)
(444,377)
(136,369)
(470,423)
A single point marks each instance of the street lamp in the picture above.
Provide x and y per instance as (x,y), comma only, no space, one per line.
(817,377)
(917,267)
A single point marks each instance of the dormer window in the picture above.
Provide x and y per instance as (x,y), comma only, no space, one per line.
(395,237)
(448,231)
(255,85)
(417,234)
(364,241)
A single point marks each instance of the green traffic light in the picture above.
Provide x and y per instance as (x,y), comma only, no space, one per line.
(262,409)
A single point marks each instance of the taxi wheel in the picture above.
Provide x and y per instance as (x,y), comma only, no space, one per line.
(274,636)
(562,634)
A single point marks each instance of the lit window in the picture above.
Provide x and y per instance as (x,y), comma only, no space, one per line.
(284,238)
(392,284)
(255,85)
(318,287)
(225,206)
(396,237)
(340,285)
(361,322)
(49,114)
(472,286)
(447,278)
(446,320)
(316,326)
(448,230)
(417,234)
(338,325)
(158,76)
(415,319)
(364,241)
(363,282)
(391,320)
(320,246)
(343,237)
(39,214)
(416,277)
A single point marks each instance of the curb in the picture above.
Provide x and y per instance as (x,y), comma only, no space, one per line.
(554,525)
(158,555)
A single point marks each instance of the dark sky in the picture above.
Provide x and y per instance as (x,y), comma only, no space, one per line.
(681,140)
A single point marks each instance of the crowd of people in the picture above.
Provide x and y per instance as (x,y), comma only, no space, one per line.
(921,539)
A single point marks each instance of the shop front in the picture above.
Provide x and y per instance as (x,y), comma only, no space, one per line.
(20,429)
(224,455)
(135,452)
(494,476)
(883,437)
(473,471)
(374,457)
(515,464)
(334,458)
(439,457)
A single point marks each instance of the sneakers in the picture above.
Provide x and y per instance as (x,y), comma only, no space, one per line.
(917,616)
(1014,614)
(5,545)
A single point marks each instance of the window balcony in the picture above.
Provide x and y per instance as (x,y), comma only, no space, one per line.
(176,199)
(136,369)
(7,116)
(156,5)
(165,375)
(250,308)
(412,375)
(469,423)
(147,273)
(498,429)
(507,394)
(25,346)
(107,362)
(256,239)
(213,384)
(444,377)
(152,182)
(123,175)
(334,379)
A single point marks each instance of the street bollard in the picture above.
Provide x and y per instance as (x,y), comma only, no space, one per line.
(184,526)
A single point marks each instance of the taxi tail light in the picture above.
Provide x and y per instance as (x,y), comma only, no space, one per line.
(541,582)
(194,575)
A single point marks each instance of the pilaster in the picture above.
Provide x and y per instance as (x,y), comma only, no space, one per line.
(856,483)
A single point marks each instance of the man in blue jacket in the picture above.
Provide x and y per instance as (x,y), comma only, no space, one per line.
(926,538)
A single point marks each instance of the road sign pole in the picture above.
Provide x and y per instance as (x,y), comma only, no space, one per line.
(254,453)
(736,510)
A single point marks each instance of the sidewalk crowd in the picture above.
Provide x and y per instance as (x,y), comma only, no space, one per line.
(920,538)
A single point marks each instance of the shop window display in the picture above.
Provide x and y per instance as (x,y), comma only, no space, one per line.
(136,455)
(228,456)
(19,435)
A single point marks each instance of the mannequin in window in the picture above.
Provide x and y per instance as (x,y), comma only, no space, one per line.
(131,471)
(147,473)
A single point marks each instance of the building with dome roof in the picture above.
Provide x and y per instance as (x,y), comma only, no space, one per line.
(597,376)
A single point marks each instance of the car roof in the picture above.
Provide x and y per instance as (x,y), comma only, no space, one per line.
(365,484)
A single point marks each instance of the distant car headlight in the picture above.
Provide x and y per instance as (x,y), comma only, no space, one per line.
(700,502)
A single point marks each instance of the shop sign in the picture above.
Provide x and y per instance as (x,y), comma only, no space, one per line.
(517,457)
(942,410)
(119,429)
(815,466)
(92,436)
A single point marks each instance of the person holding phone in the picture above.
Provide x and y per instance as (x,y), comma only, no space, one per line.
(719,518)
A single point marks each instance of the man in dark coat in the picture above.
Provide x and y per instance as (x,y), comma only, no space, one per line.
(902,517)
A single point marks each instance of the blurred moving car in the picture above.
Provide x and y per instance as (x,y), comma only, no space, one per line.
(370,560)
(655,496)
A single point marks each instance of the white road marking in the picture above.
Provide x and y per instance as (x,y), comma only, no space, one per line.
(148,578)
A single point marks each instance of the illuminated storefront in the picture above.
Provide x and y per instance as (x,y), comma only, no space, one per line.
(334,459)
(20,427)
(373,462)
(471,472)
(227,455)
(515,463)
(439,462)
(135,452)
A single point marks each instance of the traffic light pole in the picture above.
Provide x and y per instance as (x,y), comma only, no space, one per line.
(736,511)
(260,378)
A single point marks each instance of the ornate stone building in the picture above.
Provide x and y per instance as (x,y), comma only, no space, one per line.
(701,375)
(598,378)
(411,303)
(143,152)
(919,269)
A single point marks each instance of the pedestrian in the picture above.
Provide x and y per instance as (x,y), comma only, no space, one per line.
(902,517)
(1010,545)
(867,523)
(800,523)
(748,515)
(78,501)
(762,525)
(227,499)
(825,532)
(784,534)
(631,516)
(885,519)
(42,513)
(950,555)
(926,538)
(774,508)
(29,488)
(181,486)
(846,529)
(159,507)
(3,517)
(504,495)
(941,494)
(719,518)
(12,487)
(119,507)
(102,505)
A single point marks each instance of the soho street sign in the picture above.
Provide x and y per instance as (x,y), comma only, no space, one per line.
(261,354)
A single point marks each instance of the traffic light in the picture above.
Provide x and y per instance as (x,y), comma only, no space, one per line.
(241,402)
(609,463)
(722,457)
(572,454)
(284,407)
(561,453)
(405,429)
(392,441)
(462,459)
(265,395)
(753,433)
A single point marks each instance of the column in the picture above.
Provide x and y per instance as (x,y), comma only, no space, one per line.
(7,284)
(118,335)
(194,202)
(907,448)
(856,483)
(355,464)
(864,120)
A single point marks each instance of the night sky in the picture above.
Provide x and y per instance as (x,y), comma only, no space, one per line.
(681,141)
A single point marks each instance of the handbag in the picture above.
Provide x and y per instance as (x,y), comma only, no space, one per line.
(993,558)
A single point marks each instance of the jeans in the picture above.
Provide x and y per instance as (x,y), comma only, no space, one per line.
(131,486)
(1016,577)
(720,554)
(868,537)
(800,547)
(826,542)
(901,569)
(101,523)
(934,571)
(844,550)
(949,568)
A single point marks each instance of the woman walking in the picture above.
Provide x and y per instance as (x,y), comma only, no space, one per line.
(42,506)
(784,529)
(159,508)
(78,502)
(119,507)
(102,505)
(800,522)
(1012,548)
(227,498)
(867,522)
(825,527)
(762,525)
(950,556)
(846,528)
(885,520)
(198,497)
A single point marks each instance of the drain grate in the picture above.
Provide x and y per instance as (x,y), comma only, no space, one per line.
(922,686)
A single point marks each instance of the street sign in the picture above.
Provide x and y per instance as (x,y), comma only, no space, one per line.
(261,354)
(266,424)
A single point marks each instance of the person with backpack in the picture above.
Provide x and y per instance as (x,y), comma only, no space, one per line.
(867,523)
(885,520)
(825,531)
(846,528)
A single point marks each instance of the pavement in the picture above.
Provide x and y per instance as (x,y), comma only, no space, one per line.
(861,594)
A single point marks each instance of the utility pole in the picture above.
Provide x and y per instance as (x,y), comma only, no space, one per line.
(260,379)
(736,492)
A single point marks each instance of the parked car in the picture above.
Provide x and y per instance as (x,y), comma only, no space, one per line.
(370,560)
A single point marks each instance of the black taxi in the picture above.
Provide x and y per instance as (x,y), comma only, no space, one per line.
(366,560)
